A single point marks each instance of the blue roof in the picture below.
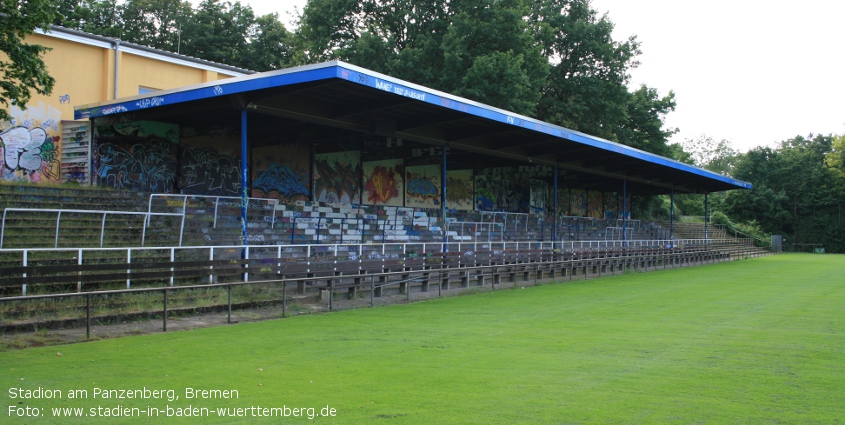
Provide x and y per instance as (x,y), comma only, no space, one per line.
(702,180)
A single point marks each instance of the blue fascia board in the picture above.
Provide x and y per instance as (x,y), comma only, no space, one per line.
(398,87)
(206,90)
(378,81)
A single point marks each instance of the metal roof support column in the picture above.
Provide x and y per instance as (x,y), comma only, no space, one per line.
(443,196)
(706,215)
(244,174)
(625,212)
(672,216)
(554,214)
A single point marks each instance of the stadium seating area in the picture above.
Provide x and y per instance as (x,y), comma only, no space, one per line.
(83,239)
(37,217)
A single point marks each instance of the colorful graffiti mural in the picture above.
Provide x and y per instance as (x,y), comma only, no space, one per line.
(281,172)
(383,182)
(281,182)
(139,156)
(145,167)
(486,190)
(30,145)
(422,186)
(459,190)
(611,203)
(207,172)
(29,155)
(502,189)
(540,200)
(564,200)
(595,207)
(578,204)
(337,177)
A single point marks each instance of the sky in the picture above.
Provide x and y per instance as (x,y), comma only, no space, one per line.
(753,72)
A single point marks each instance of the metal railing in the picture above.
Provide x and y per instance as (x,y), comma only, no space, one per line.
(361,251)
(612,231)
(184,199)
(476,224)
(105,214)
(492,270)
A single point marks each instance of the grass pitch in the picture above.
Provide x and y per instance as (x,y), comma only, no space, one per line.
(757,341)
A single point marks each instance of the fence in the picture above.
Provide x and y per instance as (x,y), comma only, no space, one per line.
(105,214)
(540,261)
(184,198)
(298,258)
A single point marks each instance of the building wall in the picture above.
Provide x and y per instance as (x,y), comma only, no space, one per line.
(83,67)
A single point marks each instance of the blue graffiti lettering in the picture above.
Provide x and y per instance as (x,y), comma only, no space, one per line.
(282,179)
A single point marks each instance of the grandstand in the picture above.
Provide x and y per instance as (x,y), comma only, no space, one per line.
(341,186)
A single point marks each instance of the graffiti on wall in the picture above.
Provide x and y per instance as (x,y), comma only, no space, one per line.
(206,171)
(29,145)
(280,181)
(281,172)
(29,155)
(383,182)
(337,177)
(422,186)
(578,203)
(139,156)
(539,192)
(516,195)
(595,207)
(503,189)
(611,202)
(486,190)
(459,189)
(149,166)
(563,201)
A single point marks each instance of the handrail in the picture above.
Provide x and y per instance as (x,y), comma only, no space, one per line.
(613,230)
(385,250)
(432,244)
(184,197)
(103,224)
(335,251)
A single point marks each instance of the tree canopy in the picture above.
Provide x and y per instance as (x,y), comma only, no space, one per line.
(218,31)
(554,60)
(798,186)
(22,68)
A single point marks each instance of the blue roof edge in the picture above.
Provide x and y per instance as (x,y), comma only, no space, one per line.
(378,81)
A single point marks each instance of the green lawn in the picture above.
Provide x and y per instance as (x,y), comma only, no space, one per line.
(754,341)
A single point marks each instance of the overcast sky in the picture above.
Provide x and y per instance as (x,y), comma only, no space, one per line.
(752,72)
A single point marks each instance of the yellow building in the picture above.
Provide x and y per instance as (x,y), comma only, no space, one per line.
(42,143)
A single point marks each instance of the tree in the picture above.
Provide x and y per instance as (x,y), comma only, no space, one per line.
(719,157)
(643,128)
(154,23)
(218,32)
(100,17)
(796,192)
(478,49)
(587,86)
(22,66)
(270,45)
